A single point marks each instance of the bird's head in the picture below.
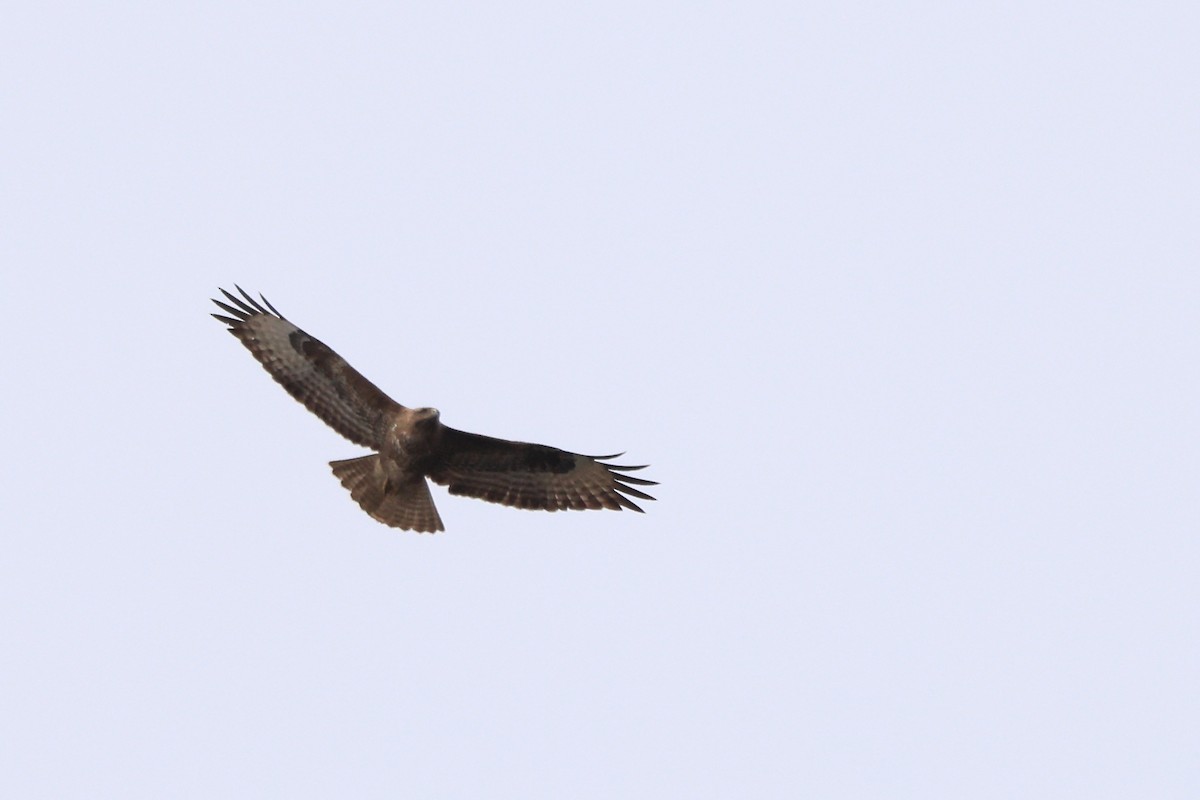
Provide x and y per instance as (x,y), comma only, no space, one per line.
(415,430)
(425,417)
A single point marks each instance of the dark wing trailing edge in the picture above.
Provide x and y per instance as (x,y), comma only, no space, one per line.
(309,370)
(532,476)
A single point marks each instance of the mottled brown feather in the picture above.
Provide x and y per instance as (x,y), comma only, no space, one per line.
(531,476)
(309,370)
(408,506)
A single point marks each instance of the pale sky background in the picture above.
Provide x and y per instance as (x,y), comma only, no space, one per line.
(899,300)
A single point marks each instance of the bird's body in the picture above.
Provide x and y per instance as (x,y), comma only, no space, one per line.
(412,444)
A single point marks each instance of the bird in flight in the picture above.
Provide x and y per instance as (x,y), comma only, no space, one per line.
(412,444)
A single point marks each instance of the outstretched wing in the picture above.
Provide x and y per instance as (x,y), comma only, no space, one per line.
(311,372)
(531,475)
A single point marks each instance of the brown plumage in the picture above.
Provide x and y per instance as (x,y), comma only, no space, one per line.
(412,444)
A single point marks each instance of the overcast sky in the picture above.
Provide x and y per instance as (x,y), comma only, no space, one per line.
(899,301)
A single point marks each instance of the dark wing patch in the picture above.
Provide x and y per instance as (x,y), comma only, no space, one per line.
(531,476)
(309,370)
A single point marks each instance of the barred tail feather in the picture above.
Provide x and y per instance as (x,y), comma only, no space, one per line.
(408,505)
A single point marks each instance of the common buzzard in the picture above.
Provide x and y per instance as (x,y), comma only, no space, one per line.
(412,444)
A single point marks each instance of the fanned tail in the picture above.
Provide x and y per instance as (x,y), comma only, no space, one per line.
(408,505)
